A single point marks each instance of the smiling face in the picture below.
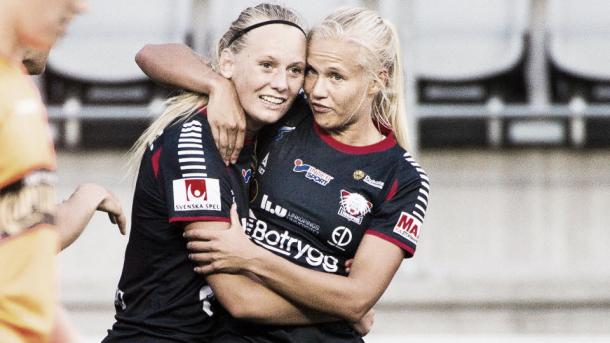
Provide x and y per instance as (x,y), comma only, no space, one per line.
(336,85)
(268,72)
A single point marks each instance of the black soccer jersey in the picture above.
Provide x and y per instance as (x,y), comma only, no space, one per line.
(314,198)
(182,179)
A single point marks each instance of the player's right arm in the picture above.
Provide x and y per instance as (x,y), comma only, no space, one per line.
(194,73)
(244,298)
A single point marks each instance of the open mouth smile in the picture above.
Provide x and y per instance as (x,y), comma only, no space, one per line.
(273,99)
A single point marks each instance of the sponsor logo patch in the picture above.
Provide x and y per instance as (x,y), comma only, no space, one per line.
(288,244)
(377,184)
(247,174)
(263,165)
(353,206)
(311,172)
(341,237)
(281,212)
(196,194)
(282,131)
(408,227)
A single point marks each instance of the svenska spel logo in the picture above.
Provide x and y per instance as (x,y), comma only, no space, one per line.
(196,194)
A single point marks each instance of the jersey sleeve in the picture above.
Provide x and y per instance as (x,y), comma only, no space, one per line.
(193,177)
(400,216)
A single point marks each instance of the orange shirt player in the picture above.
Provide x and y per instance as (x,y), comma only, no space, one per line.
(29,238)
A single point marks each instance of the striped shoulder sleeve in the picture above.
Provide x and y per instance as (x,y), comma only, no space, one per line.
(399,218)
(192,174)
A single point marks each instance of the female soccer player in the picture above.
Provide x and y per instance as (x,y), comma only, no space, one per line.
(333,182)
(32,226)
(184,185)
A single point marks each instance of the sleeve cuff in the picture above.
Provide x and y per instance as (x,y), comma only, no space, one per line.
(409,251)
(200,219)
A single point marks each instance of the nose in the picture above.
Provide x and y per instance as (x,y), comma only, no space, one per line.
(315,87)
(280,81)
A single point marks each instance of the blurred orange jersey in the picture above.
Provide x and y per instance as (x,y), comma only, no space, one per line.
(28,239)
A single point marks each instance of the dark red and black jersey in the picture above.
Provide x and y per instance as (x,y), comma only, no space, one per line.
(314,198)
(182,179)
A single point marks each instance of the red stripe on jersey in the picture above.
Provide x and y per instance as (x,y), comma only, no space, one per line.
(155,161)
(392,240)
(383,145)
(200,219)
(392,191)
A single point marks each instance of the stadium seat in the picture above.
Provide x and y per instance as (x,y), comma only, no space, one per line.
(579,50)
(91,73)
(470,50)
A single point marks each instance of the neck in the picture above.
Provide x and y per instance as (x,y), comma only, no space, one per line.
(252,127)
(360,133)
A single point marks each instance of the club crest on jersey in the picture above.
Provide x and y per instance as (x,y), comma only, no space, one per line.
(408,227)
(196,194)
(311,172)
(354,206)
(247,174)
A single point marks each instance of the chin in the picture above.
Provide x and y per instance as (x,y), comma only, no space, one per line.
(268,117)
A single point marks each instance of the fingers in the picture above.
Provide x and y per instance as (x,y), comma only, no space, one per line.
(200,235)
(121,221)
(234,216)
(348,265)
(215,134)
(223,146)
(115,212)
(199,247)
(240,135)
(201,258)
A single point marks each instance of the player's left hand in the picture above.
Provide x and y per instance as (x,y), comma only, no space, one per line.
(227,121)
(225,251)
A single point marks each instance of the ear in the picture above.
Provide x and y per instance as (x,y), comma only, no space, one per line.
(377,85)
(226,63)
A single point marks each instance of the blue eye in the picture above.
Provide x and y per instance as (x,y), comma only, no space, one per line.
(336,77)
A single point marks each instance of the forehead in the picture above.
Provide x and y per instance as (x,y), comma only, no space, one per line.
(283,42)
(333,53)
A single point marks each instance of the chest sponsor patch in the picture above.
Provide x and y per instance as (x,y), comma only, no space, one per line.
(354,206)
(408,227)
(196,194)
(311,172)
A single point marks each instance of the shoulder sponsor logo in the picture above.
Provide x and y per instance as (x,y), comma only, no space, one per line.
(288,244)
(283,131)
(247,174)
(353,206)
(312,173)
(408,227)
(196,194)
(341,237)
